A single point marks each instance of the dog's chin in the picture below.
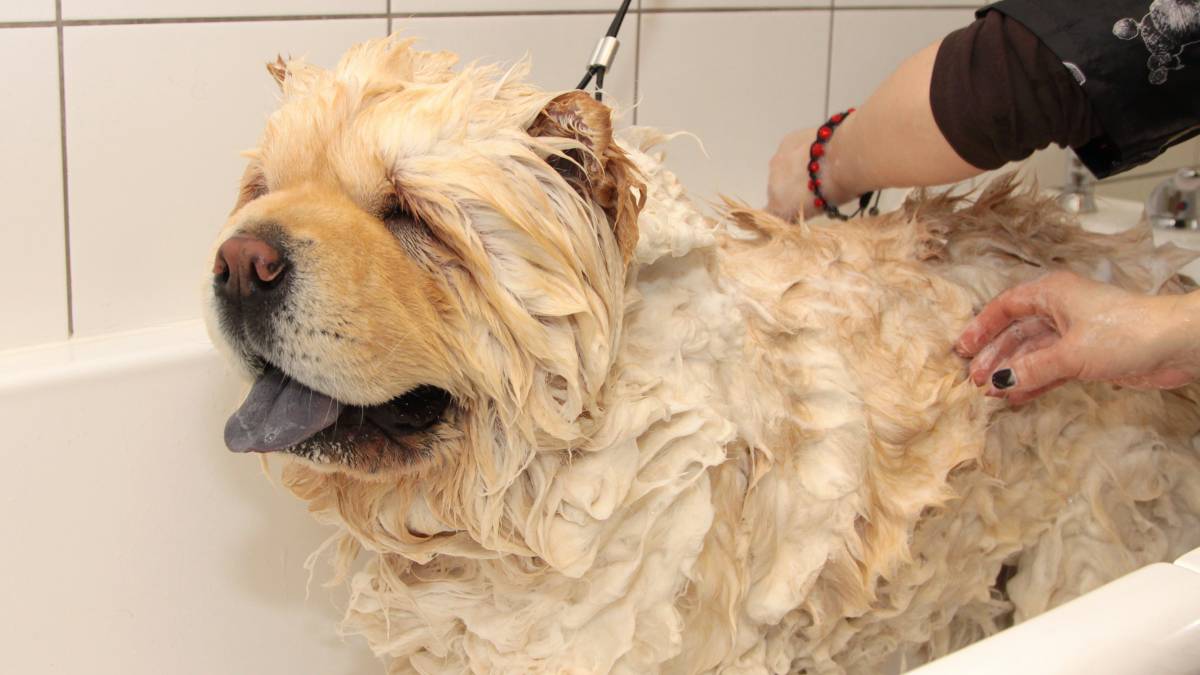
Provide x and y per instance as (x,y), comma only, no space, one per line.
(281,414)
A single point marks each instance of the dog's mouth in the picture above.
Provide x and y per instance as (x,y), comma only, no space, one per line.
(280,413)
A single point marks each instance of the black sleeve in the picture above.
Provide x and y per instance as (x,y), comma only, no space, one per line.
(1136,64)
(998,94)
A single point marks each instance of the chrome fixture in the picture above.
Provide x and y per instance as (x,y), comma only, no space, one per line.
(1173,204)
(1079,189)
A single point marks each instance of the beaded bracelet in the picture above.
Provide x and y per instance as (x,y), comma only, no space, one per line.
(815,152)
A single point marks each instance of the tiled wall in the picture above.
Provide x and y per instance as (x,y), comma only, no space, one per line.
(109,230)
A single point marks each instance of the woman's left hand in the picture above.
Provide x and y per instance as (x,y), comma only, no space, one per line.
(1036,336)
(787,180)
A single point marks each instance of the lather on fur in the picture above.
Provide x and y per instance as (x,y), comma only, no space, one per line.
(678,444)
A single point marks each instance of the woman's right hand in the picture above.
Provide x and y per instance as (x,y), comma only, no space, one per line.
(1062,327)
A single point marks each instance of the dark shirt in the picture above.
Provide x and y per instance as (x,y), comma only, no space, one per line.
(1112,79)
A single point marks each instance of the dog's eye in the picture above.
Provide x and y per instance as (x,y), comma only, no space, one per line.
(396,217)
(254,185)
(393,212)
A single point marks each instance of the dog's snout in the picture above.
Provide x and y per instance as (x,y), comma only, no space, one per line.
(247,265)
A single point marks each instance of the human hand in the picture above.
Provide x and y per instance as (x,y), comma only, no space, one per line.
(1036,336)
(787,183)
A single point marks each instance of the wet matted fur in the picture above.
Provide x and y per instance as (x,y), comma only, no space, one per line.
(677,443)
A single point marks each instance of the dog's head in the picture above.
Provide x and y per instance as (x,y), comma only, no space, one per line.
(424,268)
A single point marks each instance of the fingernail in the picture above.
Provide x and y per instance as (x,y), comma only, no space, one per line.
(1004,378)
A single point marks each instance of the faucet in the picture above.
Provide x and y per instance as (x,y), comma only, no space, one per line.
(1173,203)
(1079,189)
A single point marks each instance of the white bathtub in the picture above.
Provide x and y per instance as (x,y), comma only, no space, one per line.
(133,542)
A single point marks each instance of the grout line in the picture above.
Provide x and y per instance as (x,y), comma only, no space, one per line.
(476,14)
(28,24)
(388,9)
(62,140)
(829,60)
(637,63)
(389,15)
(892,8)
(732,10)
(151,21)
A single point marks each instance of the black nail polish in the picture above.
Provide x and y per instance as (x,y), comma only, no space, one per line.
(1004,378)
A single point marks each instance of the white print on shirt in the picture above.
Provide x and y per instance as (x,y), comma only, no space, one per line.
(1076,73)
(1167,29)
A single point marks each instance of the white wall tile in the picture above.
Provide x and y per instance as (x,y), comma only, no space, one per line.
(156,116)
(1137,183)
(839,4)
(766,78)
(869,44)
(27,10)
(1175,157)
(1132,188)
(560,45)
(726,4)
(404,7)
(1049,166)
(141,9)
(33,286)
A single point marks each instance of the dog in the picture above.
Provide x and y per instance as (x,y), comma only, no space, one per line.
(564,421)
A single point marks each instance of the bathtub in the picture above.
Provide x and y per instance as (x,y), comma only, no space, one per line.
(135,543)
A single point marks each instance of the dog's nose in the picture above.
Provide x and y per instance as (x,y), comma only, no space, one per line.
(247,265)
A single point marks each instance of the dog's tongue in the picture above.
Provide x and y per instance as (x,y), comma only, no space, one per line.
(278,413)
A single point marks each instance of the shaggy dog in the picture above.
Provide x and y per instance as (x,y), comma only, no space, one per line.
(564,422)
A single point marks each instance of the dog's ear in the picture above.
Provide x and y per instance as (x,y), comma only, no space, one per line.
(602,172)
(278,70)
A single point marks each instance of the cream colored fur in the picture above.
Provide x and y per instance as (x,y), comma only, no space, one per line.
(750,450)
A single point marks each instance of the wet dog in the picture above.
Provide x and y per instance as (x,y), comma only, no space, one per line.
(565,422)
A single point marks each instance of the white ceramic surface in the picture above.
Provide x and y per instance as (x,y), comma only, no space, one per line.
(869,44)
(1175,157)
(33,285)
(156,118)
(1117,215)
(858,4)
(1144,622)
(135,543)
(399,7)
(27,10)
(141,9)
(653,5)
(1190,560)
(403,7)
(560,46)
(739,81)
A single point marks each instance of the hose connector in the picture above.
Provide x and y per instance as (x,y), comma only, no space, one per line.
(605,53)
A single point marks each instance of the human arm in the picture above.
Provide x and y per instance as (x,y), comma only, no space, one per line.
(1061,327)
(985,95)
(891,140)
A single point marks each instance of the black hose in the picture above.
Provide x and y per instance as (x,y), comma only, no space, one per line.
(598,71)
